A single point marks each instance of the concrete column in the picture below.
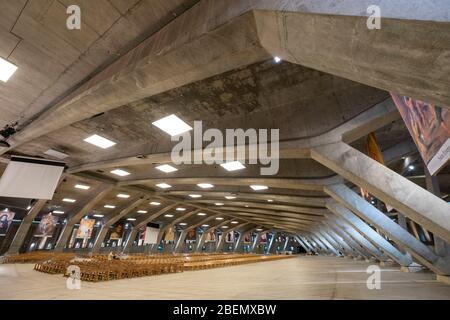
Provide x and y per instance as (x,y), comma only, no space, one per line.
(356,235)
(286,243)
(80,210)
(270,244)
(361,251)
(336,244)
(304,245)
(371,234)
(333,248)
(130,239)
(113,218)
(24,227)
(321,248)
(222,239)
(241,238)
(346,249)
(255,242)
(403,238)
(408,198)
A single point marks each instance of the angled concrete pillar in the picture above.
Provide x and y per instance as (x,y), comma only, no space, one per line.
(286,243)
(346,249)
(408,198)
(333,248)
(352,201)
(241,238)
(336,244)
(371,234)
(270,244)
(24,227)
(255,242)
(112,219)
(222,239)
(142,222)
(356,235)
(320,247)
(361,251)
(202,239)
(307,248)
(81,209)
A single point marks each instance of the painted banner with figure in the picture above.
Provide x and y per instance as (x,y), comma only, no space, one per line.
(191,236)
(429,126)
(248,238)
(85,229)
(6,218)
(46,226)
(117,232)
(210,237)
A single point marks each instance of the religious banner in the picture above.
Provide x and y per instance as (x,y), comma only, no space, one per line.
(210,237)
(263,238)
(6,218)
(169,235)
(151,235)
(191,236)
(248,238)
(46,226)
(429,126)
(229,237)
(85,229)
(117,232)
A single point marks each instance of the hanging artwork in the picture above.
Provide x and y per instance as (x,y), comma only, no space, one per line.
(117,232)
(247,238)
(46,226)
(210,237)
(151,235)
(170,235)
(6,218)
(85,229)
(191,235)
(263,238)
(229,237)
(429,126)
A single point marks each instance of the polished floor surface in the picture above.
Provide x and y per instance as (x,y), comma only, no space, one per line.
(296,278)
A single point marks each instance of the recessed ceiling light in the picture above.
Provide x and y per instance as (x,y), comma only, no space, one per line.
(163,185)
(201,214)
(411,167)
(166,168)
(120,172)
(29,207)
(142,211)
(172,125)
(232,166)
(205,185)
(69,200)
(109,206)
(218,204)
(131,219)
(168,215)
(123,196)
(258,187)
(99,141)
(183,224)
(234,222)
(195,196)
(82,186)
(277,59)
(7,69)
(98,215)
(58,212)
(259,230)
(230,197)
(56,154)
(205,225)
(219,218)
(180,209)
(269,200)
(225,227)
(154,203)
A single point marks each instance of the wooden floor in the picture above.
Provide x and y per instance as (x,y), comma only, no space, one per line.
(297,278)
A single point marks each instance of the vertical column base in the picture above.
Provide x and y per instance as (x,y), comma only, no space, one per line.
(414,267)
(443,279)
(388,264)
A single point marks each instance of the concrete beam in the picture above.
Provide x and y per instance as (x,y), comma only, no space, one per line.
(405,196)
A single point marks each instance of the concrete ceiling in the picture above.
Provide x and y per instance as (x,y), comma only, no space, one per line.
(137,61)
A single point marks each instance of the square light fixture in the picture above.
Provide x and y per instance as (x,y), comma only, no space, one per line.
(194,196)
(205,185)
(154,203)
(69,200)
(172,125)
(100,141)
(120,172)
(219,218)
(258,187)
(230,197)
(123,196)
(142,211)
(58,212)
(7,69)
(98,215)
(131,219)
(166,168)
(82,187)
(232,166)
(164,185)
(201,214)
(218,204)
(109,206)
(180,209)
(56,154)
(168,215)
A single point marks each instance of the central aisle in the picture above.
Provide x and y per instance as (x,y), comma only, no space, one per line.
(305,277)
